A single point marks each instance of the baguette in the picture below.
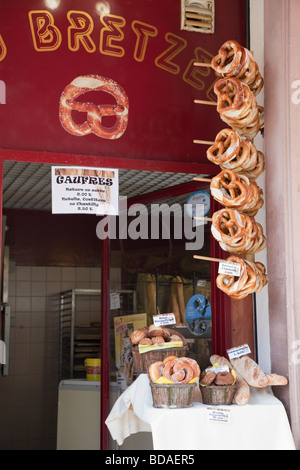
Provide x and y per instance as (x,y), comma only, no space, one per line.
(250,371)
(180,296)
(174,302)
(242,394)
(274,379)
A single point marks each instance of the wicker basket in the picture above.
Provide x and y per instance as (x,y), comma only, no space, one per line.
(151,357)
(172,395)
(137,361)
(142,362)
(218,395)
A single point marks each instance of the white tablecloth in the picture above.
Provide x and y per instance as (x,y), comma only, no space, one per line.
(260,425)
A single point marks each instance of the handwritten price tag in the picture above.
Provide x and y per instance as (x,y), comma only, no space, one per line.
(230,269)
(164,319)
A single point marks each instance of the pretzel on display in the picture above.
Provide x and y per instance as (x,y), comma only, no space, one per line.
(237,233)
(237,192)
(252,279)
(237,107)
(231,152)
(234,60)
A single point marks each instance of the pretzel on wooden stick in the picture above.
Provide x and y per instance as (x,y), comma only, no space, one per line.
(232,152)
(252,279)
(237,192)
(234,60)
(237,233)
(238,107)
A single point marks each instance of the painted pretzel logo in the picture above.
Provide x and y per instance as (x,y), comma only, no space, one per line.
(95,113)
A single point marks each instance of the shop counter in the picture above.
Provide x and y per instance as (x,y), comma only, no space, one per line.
(262,424)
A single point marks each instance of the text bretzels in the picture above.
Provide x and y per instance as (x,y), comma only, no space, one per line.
(95,113)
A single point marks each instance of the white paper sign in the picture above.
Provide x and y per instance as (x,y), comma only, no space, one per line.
(114,301)
(230,269)
(78,190)
(218,415)
(165,319)
(239,351)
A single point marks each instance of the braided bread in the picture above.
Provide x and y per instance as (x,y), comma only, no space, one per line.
(231,152)
(252,279)
(238,107)
(234,60)
(237,233)
(237,192)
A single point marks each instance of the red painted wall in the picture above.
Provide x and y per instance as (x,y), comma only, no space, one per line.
(43,50)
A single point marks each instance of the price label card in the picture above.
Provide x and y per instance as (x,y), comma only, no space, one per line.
(239,351)
(218,415)
(230,269)
(164,319)
(115,301)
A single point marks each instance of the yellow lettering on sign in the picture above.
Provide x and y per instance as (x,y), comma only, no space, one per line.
(45,35)
(79,32)
(193,75)
(3,49)
(110,34)
(143,32)
(164,60)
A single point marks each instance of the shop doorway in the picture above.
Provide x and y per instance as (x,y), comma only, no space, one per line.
(50,254)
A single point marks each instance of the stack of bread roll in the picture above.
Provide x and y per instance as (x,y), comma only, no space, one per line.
(248,374)
(153,335)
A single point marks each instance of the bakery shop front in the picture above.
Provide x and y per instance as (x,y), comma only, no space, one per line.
(135,245)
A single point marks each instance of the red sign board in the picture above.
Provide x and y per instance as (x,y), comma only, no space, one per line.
(111,78)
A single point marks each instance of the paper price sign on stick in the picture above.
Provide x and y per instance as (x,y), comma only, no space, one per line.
(230,269)
(239,351)
(164,319)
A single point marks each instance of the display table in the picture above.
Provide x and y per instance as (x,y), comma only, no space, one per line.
(260,425)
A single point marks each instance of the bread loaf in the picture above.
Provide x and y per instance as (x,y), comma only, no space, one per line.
(274,379)
(180,296)
(242,394)
(250,371)
(174,305)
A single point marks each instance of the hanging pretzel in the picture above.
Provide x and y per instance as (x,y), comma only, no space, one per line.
(238,108)
(237,192)
(252,279)
(231,152)
(226,146)
(95,113)
(237,233)
(234,60)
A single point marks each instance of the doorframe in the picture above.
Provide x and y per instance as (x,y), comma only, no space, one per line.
(221,324)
